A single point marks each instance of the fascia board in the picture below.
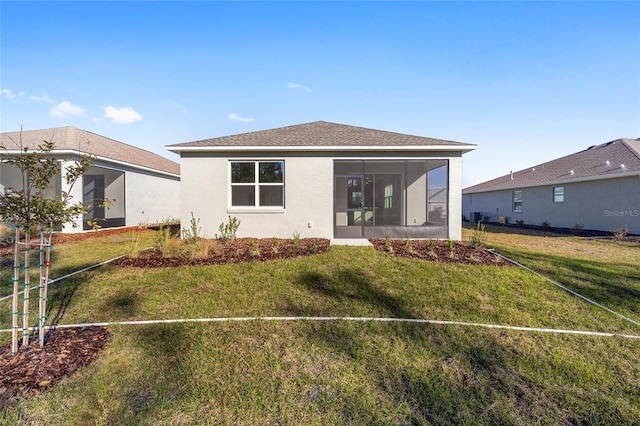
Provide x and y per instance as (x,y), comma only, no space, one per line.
(178,149)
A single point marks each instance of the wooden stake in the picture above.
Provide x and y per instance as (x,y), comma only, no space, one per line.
(45,244)
(14,304)
(25,294)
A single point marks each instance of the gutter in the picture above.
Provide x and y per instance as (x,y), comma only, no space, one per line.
(280,148)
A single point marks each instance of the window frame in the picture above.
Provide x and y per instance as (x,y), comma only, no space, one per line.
(516,203)
(256,185)
(558,198)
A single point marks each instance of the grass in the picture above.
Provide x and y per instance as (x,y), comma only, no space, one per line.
(341,372)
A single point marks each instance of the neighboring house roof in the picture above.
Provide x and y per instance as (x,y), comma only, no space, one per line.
(617,158)
(73,140)
(321,135)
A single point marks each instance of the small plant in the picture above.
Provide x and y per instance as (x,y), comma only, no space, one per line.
(229,230)
(387,243)
(450,244)
(620,234)
(519,223)
(479,236)
(251,242)
(193,233)
(133,248)
(431,244)
(296,238)
(314,247)
(578,229)
(255,252)
(546,226)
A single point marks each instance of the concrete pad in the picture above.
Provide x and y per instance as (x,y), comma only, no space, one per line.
(350,242)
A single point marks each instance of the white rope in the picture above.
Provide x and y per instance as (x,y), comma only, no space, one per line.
(88,268)
(586,299)
(355,319)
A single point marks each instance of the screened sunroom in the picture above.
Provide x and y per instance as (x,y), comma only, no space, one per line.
(391,198)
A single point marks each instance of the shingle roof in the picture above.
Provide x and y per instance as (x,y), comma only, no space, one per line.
(598,161)
(73,139)
(320,134)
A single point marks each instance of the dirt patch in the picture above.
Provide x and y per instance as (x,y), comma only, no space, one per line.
(237,251)
(34,369)
(439,251)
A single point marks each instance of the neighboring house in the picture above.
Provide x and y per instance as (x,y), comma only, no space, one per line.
(598,189)
(324,180)
(144,187)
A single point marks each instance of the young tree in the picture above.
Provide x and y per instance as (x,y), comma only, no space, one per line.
(32,205)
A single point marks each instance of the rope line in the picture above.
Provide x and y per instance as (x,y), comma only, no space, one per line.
(586,299)
(353,319)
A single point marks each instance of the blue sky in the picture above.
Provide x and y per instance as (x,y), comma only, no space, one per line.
(526,81)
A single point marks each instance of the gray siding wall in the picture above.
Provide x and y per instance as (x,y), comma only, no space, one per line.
(603,205)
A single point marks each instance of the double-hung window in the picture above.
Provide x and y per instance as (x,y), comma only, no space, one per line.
(257,184)
(558,194)
(517,201)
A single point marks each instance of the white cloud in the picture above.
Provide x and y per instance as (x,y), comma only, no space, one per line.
(43,98)
(236,117)
(65,109)
(10,95)
(123,115)
(296,86)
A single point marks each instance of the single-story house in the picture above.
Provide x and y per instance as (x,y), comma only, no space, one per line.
(594,189)
(144,187)
(324,180)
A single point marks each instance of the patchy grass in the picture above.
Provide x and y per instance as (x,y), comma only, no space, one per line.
(604,270)
(341,372)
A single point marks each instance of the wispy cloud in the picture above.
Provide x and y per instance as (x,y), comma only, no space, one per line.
(298,87)
(236,117)
(65,109)
(10,95)
(177,106)
(43,98)
(123,115)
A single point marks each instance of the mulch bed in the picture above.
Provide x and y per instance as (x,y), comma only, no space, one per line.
(34,369)
(240,250)
(439,251)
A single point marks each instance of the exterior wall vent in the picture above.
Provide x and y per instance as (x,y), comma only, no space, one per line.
(571,172)
(606,163)
(622,166)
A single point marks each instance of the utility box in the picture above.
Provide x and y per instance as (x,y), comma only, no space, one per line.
(476,217)
(502,220)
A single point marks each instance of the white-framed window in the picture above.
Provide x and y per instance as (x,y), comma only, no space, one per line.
(517,201)
(558,194)
(257,183)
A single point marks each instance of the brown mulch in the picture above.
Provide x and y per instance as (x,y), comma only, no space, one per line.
(34,369)
(237,251)
(439,251)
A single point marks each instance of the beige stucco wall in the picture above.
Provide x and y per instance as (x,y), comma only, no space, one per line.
(308,198)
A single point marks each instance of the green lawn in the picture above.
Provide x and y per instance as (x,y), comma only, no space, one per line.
(342,372)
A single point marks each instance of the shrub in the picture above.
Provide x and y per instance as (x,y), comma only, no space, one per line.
(479,236)
(620,234)
(229,230)
(578,229)
(193,234)
(545,225)
(520,223)
(296,238)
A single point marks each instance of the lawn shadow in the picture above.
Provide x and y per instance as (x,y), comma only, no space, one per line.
(599,281)
(351,286)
